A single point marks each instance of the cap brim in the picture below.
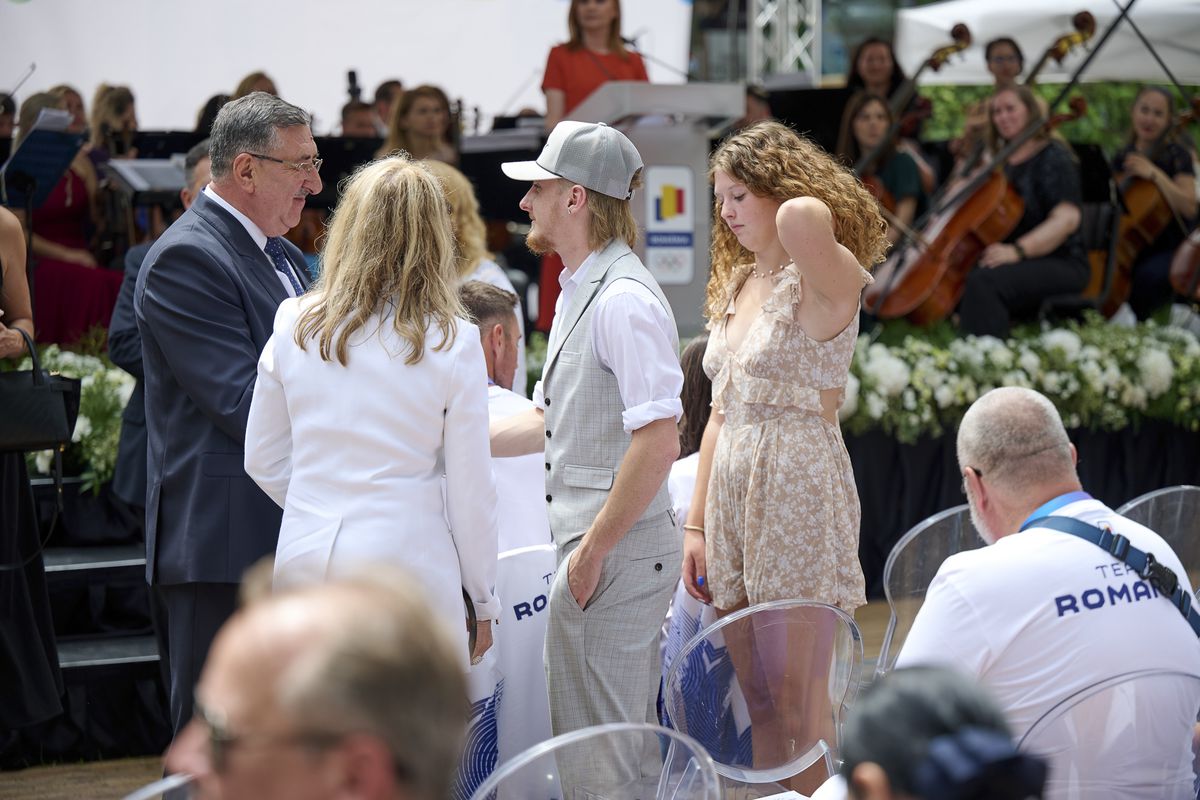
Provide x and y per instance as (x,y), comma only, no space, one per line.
(527,171)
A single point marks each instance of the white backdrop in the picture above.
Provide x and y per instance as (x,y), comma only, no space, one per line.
(175,54)
(1172,26)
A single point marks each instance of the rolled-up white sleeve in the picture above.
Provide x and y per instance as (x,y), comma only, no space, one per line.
(470,484)
(634,337)
(268,456)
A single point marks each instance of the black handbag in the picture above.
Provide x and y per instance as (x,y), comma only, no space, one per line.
(37,410)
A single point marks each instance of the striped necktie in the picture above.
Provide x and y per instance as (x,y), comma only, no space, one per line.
(274,250)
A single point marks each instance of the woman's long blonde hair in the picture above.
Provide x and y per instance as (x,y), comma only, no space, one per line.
(469,231)
(389,245)
(773,161)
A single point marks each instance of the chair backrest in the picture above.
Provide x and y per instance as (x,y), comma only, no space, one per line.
(911,567)
(176,787)
(1130,736)
(765,689)
(1174,514)
(618,761)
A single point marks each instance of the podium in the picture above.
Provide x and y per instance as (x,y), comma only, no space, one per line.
(672,127)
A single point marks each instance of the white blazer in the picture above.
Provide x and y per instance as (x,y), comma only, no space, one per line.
(356,456)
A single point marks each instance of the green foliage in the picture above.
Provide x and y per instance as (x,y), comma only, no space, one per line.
(1106,122)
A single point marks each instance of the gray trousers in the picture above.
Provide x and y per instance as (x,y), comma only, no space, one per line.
(602,662)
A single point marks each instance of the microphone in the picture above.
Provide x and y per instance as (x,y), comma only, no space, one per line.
(354,89)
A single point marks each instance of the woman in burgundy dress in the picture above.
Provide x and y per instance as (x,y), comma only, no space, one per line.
(72,292)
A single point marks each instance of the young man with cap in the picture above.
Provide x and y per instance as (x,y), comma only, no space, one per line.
(606,410)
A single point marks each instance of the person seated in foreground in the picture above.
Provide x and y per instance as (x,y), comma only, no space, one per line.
(343,689)
(1041,614)
(928,733)
(520,481)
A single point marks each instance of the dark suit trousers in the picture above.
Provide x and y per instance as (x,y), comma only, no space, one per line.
(195,612)
(994,298)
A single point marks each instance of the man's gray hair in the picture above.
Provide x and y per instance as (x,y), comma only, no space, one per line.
(1015,438)
(250,124)
(381,665)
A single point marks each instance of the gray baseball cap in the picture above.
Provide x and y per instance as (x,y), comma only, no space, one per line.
(590,154)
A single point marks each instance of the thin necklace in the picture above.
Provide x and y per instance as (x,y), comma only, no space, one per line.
(771,273)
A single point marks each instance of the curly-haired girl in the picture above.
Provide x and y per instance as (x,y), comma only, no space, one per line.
(776,513)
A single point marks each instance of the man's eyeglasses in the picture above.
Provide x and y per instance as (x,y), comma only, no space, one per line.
(313,165)
(221,742)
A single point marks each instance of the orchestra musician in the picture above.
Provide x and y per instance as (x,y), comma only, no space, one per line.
(1155,154)
(894,179)
(1044,255)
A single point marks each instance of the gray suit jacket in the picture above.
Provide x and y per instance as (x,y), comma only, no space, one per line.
(205,302)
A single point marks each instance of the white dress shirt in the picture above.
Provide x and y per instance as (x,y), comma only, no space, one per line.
(632,336)
(256,234)
(520,482)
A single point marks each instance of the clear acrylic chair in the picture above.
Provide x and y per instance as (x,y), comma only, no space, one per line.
(910,568)
(764,690)
(1130,737)
(172,787)
(1174,514)
(618,761)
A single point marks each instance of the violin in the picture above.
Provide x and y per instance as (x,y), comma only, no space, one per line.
(925,280)
(1147,215)
(1185,267)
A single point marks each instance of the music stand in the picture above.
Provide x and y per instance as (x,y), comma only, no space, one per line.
(342,156)
(148,181)
(164,144)
(30,175)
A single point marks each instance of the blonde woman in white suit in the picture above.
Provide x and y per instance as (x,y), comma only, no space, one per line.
(372,387)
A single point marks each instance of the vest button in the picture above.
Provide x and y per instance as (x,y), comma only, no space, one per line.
(548,498)
(658,567)
(547,466)
(547,434)
(546,400)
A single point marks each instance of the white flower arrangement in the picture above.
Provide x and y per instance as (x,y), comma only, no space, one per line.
(1100,376)
(105,389)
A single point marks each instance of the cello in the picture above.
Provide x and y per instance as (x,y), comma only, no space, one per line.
(926,280)
(1147,215)
(1185,267)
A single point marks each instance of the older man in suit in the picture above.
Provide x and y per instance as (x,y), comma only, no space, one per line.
(205,302)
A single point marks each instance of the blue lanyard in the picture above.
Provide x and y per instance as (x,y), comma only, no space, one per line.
(1049,507)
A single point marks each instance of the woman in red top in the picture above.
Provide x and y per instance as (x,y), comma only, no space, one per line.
(594,55)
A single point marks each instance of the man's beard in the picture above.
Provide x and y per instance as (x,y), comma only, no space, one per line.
(977,521)
(538,243)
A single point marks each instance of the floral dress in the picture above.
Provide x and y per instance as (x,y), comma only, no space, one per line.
(782,512)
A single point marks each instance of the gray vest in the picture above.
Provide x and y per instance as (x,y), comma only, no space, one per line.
(585,438)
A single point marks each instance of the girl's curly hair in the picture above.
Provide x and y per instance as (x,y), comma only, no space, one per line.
(771,160)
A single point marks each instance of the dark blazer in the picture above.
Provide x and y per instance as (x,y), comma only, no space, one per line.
(205,303)
(125,350)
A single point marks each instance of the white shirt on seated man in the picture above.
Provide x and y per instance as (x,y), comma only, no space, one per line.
(519,480)
(1040,614)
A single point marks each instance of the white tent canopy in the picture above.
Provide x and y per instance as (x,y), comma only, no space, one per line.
(1171,26)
